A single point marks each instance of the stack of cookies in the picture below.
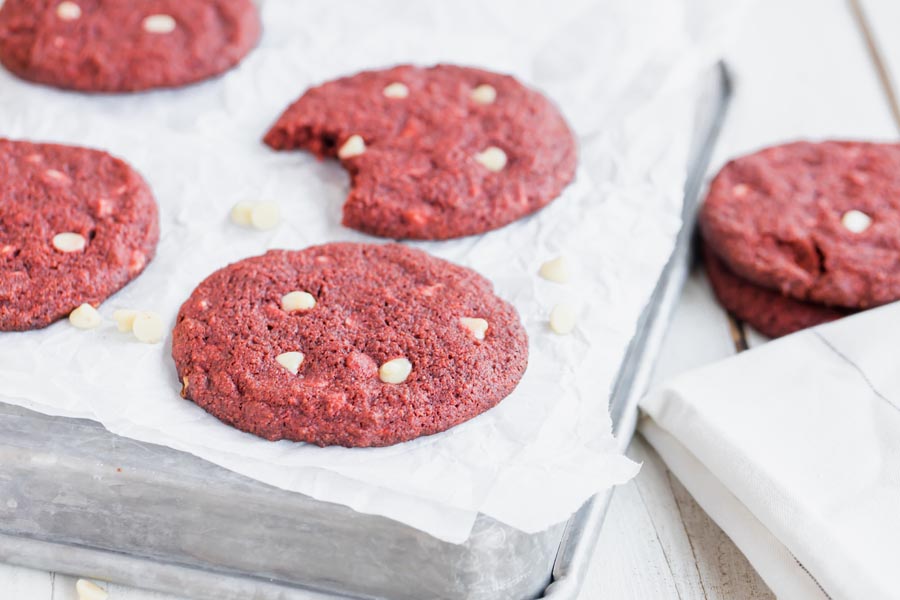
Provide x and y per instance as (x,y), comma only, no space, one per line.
(804,233)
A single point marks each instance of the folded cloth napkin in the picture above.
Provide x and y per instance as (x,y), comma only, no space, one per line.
(793,448)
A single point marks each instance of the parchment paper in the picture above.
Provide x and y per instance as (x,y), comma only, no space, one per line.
(624,75)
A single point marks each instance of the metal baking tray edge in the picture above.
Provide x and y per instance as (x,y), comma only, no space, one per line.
(67,501)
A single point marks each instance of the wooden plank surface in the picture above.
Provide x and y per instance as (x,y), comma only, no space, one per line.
(802,70)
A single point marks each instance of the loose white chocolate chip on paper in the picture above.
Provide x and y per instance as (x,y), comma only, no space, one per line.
(354,146)
(85,317)
(484,94)
(295,301)
(395,370)
(124,318)
(68,11)
(395,90)
(241,213)
(69,242)
(290,361)
(265,215)
(563,318)
(88,590)
(556,270)
(159,24)
(476,326)
(492,158)
(148,327)
(856,221)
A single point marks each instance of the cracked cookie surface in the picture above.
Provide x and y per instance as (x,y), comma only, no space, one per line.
(347,344)
(819,222)
(75,226)
(434,153)
(124,45)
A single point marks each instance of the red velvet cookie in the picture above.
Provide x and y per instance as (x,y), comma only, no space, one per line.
(75,226)
(818,221)
(434,153)
(765,310)
(124,45)
(347,344)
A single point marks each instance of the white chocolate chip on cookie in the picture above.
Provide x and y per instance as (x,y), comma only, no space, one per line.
(159,24)
(476,326)
(291,361)
(856,221)
(492,158)
(396,90)
(395,370)
(295,301)
(483,94)
(354,146)
(69,242)
(68,11)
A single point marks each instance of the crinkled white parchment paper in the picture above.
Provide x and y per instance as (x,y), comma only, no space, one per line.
(623,74)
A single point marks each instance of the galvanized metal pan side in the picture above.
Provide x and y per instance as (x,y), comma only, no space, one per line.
(583,529)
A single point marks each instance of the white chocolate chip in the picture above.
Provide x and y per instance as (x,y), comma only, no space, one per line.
(85,317)
(88,590)
(159,24)
(395,90)
(56,176)
(476,326)
(295,301)
(290,361)
(740,190)
(395,370)
(265,215)
(148,327)
(856,221)
(563,318)
(124,319)
(492,158)
(483,94)
(241,213)
(556,270)
(354,146)
(69,242)
(68,11)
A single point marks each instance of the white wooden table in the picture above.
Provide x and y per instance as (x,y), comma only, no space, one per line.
(803,69)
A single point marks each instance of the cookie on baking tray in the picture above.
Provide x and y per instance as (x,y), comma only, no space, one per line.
(75,226)
(767,311)
(819,222)
(124,45)
(347,344)
(434,153)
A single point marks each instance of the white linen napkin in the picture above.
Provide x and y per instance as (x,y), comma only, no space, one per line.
(793,448)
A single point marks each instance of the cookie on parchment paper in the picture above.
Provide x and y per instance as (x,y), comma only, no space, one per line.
(347,344)
(76,225)
(434,153)
(124,45)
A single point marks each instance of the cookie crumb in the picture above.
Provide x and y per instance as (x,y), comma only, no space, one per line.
(265,215)
(492,158)
(68,11)
(483,94)
(563,318)
(295,301)
(159,24)
(241,213)
(556,270)
(291,361)
(148,327)
(85,317)
(354,146)
(396,90)
(69,242)
(476,326)
(856,221)
(88,590)
(395,371)
(124,319)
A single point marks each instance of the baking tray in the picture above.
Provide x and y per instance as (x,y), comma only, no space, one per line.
(77,499)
